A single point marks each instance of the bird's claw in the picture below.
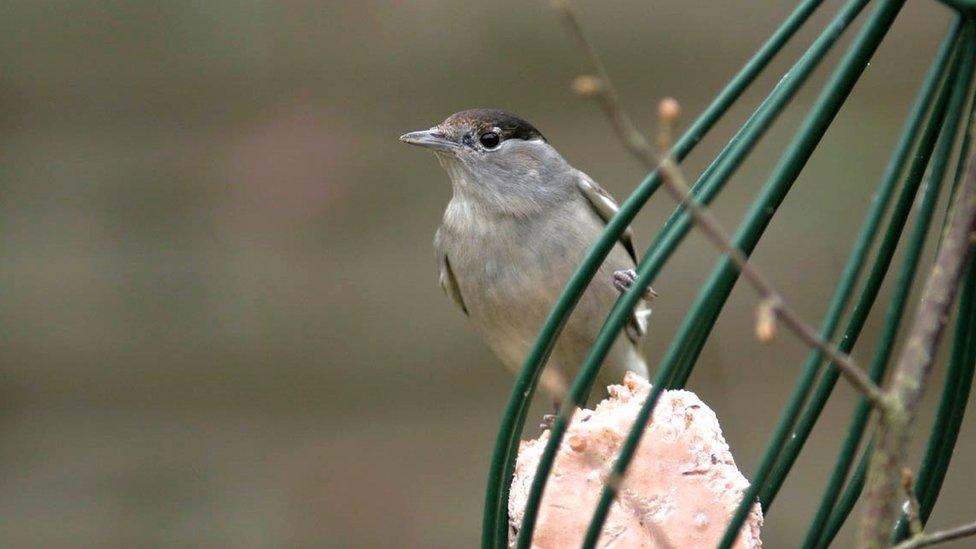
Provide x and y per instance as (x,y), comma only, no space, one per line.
(623,280)
(547,421)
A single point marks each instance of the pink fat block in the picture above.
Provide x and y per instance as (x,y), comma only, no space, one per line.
(681,489)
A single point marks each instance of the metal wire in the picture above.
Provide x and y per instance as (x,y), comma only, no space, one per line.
(945,105)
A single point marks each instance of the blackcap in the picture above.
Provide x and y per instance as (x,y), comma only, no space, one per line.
(519,223)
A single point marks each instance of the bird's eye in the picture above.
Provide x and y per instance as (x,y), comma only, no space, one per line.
(489,140)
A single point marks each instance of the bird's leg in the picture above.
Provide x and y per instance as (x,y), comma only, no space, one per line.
(624,279)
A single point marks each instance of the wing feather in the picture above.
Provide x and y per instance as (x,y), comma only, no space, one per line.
(449,283)
(606,207)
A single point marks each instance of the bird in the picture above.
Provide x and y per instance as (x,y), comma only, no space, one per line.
(519,222)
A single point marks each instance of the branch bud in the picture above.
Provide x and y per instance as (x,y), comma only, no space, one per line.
(766,321)
(668,111)
(587,85)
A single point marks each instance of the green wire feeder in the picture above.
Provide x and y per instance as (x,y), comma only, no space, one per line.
(928,140)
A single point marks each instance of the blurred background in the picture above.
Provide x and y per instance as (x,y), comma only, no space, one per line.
(221,324)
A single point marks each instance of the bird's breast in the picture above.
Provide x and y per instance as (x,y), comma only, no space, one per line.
(514,263)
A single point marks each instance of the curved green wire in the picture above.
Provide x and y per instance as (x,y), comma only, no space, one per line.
(848,499)
(495,521)
(899,300)
(963,6)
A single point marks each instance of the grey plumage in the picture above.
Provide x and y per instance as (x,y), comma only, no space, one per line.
(519,223)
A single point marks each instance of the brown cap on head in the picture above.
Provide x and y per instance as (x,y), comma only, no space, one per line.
(506,124)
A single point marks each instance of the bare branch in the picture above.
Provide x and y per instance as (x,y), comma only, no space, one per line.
(674,181)
(600,86)
(924,540)
(915,364)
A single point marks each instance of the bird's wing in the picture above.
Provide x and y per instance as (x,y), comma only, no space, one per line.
(606,207)
(449,283)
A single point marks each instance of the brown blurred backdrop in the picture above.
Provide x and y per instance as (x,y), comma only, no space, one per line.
(221,325)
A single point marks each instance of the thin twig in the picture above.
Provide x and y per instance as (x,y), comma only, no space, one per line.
(915,364)
(674,181)
(924,540)
(631,136)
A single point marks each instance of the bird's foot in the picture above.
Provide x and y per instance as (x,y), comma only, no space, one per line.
(549,419)
(623,280)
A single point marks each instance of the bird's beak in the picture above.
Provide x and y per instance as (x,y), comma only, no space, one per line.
(430,139)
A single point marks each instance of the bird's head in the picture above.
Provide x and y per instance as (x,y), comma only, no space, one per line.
(494,154)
